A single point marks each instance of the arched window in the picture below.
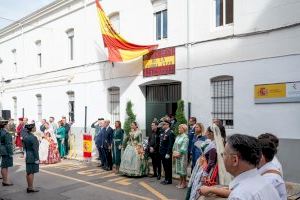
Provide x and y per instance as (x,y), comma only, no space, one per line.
(39,106)
(114,19)
(114,103)
(71,96)
(222,99)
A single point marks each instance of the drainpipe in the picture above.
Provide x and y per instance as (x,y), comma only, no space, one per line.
(188,46)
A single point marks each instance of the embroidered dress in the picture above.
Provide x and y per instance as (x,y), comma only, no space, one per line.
(48,143)
(181,147)
(133,162)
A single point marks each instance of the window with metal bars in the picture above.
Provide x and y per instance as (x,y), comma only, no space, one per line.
(222,99)
(71,105)
(114,103)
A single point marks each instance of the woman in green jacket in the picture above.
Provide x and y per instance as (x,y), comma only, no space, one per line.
(6,152)
(31,146)
(118,136)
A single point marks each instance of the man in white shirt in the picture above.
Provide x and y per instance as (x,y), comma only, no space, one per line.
(53,125)
(241,157)
(267,169)
(275,140)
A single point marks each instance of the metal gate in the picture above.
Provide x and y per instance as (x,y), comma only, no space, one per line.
(161,100)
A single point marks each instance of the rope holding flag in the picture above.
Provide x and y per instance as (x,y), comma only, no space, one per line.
(119,49)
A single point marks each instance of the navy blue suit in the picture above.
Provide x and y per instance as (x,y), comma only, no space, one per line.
(103,142)
(167,139)
(191,134)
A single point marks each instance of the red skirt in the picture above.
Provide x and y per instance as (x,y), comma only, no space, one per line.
(18,141)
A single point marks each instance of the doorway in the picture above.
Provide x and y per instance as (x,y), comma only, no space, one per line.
(161,100)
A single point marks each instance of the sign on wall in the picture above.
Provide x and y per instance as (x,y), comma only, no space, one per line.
(277,92)
(159,62)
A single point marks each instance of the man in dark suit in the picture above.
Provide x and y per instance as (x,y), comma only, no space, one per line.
(167,139)
(97,125)
(104,141)
(153,149)
(191,133)
(99,143)
(108,144)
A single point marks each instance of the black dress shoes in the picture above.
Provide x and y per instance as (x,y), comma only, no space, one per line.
(32,190)
(7,184)
(166,182)
(158,177)
(152,176)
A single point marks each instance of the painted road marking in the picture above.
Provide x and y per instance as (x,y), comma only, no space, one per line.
(124,182)
(116,179)
(69,167)
(95,185)
(153,191)
(93,172)
(109,175)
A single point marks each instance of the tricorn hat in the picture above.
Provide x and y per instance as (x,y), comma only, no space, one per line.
(3,122)
(29,126)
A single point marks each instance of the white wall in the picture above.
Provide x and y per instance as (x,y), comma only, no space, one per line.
(90,76)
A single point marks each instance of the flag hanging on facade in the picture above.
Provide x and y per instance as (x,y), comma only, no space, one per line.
(118,48)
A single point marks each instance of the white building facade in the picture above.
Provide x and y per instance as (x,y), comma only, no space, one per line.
(53,63)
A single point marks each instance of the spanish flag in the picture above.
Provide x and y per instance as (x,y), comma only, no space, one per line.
(118,48)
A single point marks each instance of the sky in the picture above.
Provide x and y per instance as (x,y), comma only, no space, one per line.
(17,9)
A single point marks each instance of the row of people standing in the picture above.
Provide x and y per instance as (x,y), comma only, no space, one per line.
(54,138)
(109,143)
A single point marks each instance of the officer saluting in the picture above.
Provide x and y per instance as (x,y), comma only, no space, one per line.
(31,146)
(6,152)
(167,139)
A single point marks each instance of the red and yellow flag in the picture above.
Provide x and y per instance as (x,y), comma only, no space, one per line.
(118,48)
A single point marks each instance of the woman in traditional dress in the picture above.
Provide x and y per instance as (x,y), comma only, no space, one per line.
(117,145)
(48,148)
(6,152)
(180,150)
(31,146)
(53,154)
(198,139)
(209,169)
(133,162)
(60,135)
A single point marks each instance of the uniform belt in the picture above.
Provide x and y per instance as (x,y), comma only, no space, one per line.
(117,140)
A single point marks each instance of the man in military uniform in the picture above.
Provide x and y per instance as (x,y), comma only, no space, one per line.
(153,149)
(167,139)
(31,147)
(6,152)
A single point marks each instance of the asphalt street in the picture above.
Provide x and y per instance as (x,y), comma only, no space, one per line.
(76,180)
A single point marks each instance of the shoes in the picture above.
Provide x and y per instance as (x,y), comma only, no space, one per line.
(7,184)
(152,176)
(166,182)
(158,177)
(181,186)
(31,190)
